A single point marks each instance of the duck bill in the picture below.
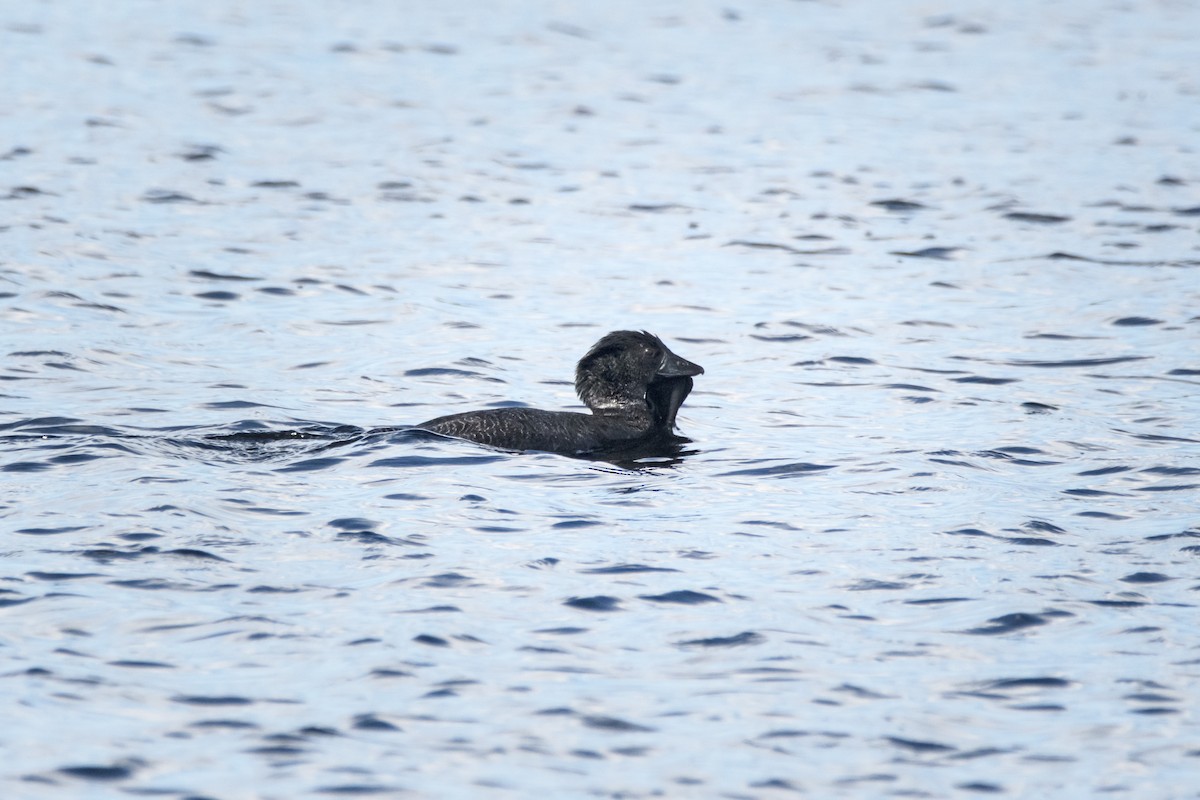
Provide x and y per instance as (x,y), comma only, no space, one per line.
(671,385)
(675,367)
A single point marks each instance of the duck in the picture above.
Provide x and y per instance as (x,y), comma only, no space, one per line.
(630,381)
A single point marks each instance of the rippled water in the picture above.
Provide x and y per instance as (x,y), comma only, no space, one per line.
(937,532)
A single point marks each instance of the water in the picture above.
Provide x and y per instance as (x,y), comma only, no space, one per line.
(938,534)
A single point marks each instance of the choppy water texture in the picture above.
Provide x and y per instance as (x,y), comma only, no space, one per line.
(938,534)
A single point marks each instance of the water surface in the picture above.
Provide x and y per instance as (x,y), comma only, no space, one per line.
(936,534)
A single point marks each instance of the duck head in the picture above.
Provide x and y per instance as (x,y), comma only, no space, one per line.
(632,372)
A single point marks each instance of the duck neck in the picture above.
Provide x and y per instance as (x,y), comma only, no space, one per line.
(631,410)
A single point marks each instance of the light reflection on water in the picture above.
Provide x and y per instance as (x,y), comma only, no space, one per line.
(937,534)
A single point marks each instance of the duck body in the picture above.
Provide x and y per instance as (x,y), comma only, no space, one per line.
(535,429)
(631,382)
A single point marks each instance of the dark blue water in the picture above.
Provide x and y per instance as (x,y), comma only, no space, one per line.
(935,534)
